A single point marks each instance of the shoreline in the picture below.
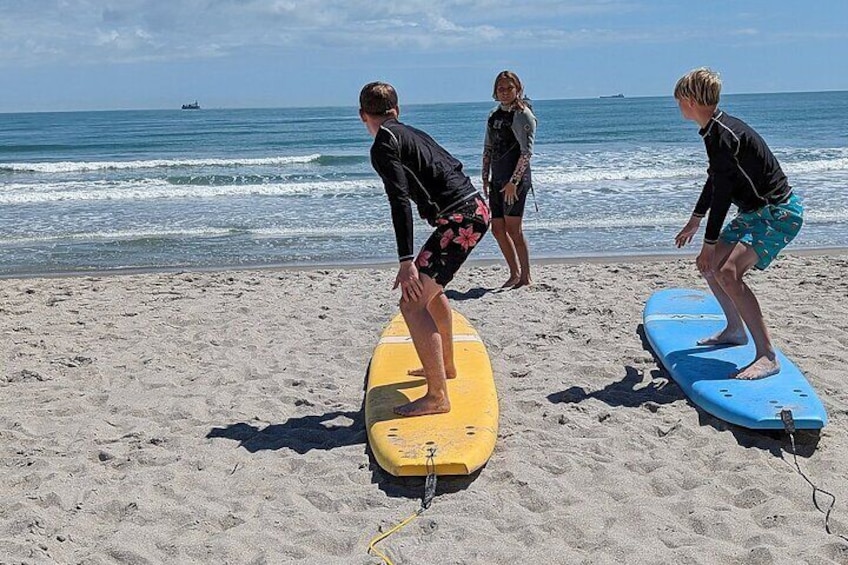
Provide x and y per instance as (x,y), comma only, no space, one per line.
(600,259)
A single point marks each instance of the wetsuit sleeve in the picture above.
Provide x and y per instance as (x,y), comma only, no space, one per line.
(487,153)
(721,176)
(524,129)
(703,204)
(385,157)
(487,149)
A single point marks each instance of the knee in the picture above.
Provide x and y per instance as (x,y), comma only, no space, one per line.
(498,230)
(728,278)
(410,309)
(404,306)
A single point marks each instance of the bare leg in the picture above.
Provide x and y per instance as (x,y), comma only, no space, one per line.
(440,310)
(515,231)
(729,276)
(428,344)
(507,249)
(734,332)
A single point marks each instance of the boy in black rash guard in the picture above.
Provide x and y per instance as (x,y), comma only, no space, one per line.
(414,167)
(742,171)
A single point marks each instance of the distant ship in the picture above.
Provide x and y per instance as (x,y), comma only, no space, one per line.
(194,106)
(619,95)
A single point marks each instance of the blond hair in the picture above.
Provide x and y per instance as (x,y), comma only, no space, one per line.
(701,85)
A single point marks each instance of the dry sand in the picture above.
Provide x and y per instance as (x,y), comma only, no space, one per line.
(216,418)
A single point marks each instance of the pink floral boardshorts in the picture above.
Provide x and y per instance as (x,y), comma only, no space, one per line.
(456,234)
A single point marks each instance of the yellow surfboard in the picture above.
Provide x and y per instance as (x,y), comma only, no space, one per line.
(456,443)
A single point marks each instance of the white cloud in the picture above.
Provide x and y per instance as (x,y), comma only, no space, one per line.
(127,30)
(94,31)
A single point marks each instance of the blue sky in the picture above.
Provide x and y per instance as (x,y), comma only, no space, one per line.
(122,54)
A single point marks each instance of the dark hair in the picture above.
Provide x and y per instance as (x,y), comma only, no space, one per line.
(378,98)
(520,99)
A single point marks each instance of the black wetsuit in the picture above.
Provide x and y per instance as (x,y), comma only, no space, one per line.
(505,149)
(414,167)
(743,171)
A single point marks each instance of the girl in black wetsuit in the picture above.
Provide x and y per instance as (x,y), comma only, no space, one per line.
(510,131)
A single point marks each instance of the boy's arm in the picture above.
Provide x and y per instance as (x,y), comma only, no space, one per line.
(704,201)
(385,158)
(721,176)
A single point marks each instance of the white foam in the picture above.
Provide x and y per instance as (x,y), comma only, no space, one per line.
(623,171)
(816,166)
(87,166)
(282,232)
(148,189)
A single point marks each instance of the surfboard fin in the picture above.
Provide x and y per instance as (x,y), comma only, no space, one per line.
(430,481)
(788,421)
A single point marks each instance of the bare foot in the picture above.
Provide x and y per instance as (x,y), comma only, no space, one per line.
(511,281)
(522,282)
(423,406)
(449,373)
(759,369)
(725,337)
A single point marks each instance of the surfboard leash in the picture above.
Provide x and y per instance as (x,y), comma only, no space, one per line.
(426,501)
(789,427)
(533,192)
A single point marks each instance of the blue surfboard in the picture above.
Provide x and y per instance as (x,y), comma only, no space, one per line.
(675,319)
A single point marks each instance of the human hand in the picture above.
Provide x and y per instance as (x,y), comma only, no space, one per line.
(688,231)
(510,192)
(706,259)
(410,284)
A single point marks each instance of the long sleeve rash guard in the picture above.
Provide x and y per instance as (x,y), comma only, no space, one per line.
(742,171)
(414,167)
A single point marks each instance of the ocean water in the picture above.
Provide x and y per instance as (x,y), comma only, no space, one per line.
(212,188)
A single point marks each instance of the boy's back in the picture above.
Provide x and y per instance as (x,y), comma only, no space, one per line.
(434,178)
(743,171)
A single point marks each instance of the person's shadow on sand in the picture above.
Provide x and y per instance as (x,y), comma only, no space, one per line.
(331,431)
(624,392)
(470,294)
(663,390)
(303,434)
(474,293)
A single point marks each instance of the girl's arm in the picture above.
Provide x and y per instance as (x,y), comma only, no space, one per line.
(524,128)
(487,162)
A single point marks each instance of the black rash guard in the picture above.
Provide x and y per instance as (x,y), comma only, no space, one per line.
(414,167)
(743,171)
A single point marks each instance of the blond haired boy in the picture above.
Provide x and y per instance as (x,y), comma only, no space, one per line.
(742,171)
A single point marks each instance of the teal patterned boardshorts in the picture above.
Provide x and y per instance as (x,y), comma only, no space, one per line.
(766,230)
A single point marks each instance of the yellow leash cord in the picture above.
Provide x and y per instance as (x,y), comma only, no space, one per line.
(429,493)
(384,535)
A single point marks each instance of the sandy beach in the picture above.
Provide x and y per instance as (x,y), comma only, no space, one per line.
(215,417)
